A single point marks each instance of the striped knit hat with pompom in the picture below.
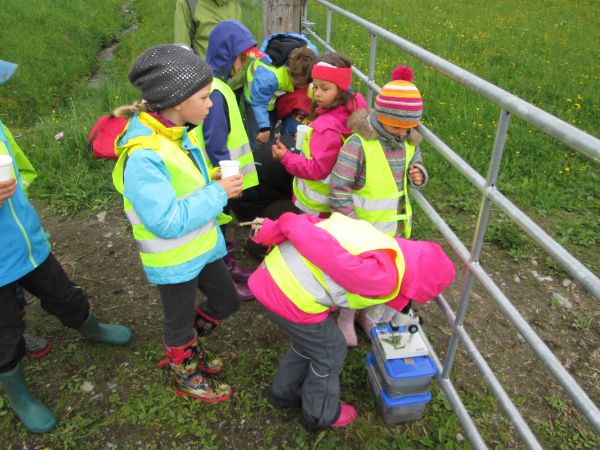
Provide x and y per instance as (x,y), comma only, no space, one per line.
(399,103)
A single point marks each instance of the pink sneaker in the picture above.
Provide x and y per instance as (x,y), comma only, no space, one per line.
(347,416)
(346,325)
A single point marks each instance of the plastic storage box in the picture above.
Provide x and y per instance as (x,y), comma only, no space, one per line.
(402,376)
(395,410)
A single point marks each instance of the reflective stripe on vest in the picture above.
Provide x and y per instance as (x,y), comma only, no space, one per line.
(378,201)
(186,179)
(284,81)
(327,294)
(312,196)
(312,290)
(134,219)
(158,245)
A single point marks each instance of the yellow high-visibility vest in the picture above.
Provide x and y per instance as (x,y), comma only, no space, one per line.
(312,196)
(186,179)
(237,139)
(284,81)
(311,289)
(379,199)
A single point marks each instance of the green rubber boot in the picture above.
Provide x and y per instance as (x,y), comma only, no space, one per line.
(101,332)
(34,415)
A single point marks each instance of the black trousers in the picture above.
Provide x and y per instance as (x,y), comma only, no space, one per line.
(179,302)
(58,295)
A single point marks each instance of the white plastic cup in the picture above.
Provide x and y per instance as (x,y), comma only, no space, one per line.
(5,166)
(301,133)
(229,168)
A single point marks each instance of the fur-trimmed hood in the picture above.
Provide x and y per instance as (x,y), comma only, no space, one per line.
(364,122)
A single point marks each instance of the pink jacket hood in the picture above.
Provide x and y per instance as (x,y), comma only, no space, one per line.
(428,272)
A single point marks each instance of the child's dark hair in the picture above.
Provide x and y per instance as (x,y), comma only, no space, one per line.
(300,62)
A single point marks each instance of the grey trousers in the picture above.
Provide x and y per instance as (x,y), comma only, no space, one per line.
(309,374)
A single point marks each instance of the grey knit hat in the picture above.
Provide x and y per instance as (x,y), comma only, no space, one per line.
(168,74)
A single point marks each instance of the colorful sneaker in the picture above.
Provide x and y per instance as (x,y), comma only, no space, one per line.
(36,346)
(347,416)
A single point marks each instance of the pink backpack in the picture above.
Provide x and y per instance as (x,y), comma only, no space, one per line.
(104,134)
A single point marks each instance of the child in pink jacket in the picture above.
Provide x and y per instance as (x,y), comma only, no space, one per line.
(317,264)
(333,104)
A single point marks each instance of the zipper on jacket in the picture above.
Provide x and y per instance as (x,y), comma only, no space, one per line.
(24,233)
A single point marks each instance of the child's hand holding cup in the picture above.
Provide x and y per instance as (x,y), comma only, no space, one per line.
(229,168)
(5,166)
(8,184)
(301,133)
(231,179)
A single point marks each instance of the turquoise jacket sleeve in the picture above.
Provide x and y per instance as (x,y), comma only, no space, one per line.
(149,190)
(263,89)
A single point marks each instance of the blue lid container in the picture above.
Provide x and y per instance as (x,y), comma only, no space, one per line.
(402,376)
(395,410)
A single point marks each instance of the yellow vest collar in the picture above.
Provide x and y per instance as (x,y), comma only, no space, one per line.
(171,133)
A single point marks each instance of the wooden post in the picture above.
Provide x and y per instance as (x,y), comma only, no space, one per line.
(280,16)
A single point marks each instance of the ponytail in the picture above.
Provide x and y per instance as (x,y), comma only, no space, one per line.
(128,111)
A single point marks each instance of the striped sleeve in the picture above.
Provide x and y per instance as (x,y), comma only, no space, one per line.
(345,177)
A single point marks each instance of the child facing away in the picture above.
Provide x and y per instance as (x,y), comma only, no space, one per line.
(376,164)
(229,45)
(317,264)
(172,205)
(333,104)
(26,261)
(286,66)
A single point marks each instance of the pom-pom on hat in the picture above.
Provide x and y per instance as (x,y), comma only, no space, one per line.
(340,76)
(399,103)
(168,74)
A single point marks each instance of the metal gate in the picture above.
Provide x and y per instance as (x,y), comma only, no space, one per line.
(490,195)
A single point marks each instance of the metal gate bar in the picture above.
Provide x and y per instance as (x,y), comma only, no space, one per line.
(564,132)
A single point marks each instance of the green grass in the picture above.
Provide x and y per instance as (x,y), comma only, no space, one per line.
(546,54)
(50,92)
(56,49)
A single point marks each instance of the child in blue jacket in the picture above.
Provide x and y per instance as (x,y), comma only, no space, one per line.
(173,203)
(26,259)
(286,66)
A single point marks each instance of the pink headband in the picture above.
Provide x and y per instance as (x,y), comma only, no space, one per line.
(340,76)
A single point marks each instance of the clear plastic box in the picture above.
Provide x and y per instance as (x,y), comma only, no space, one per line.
(395,410)
(402,376)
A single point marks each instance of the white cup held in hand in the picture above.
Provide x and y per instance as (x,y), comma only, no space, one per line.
(301,133)
(5,166)
(229,168)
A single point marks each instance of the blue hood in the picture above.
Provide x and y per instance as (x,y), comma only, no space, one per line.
(227,40)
